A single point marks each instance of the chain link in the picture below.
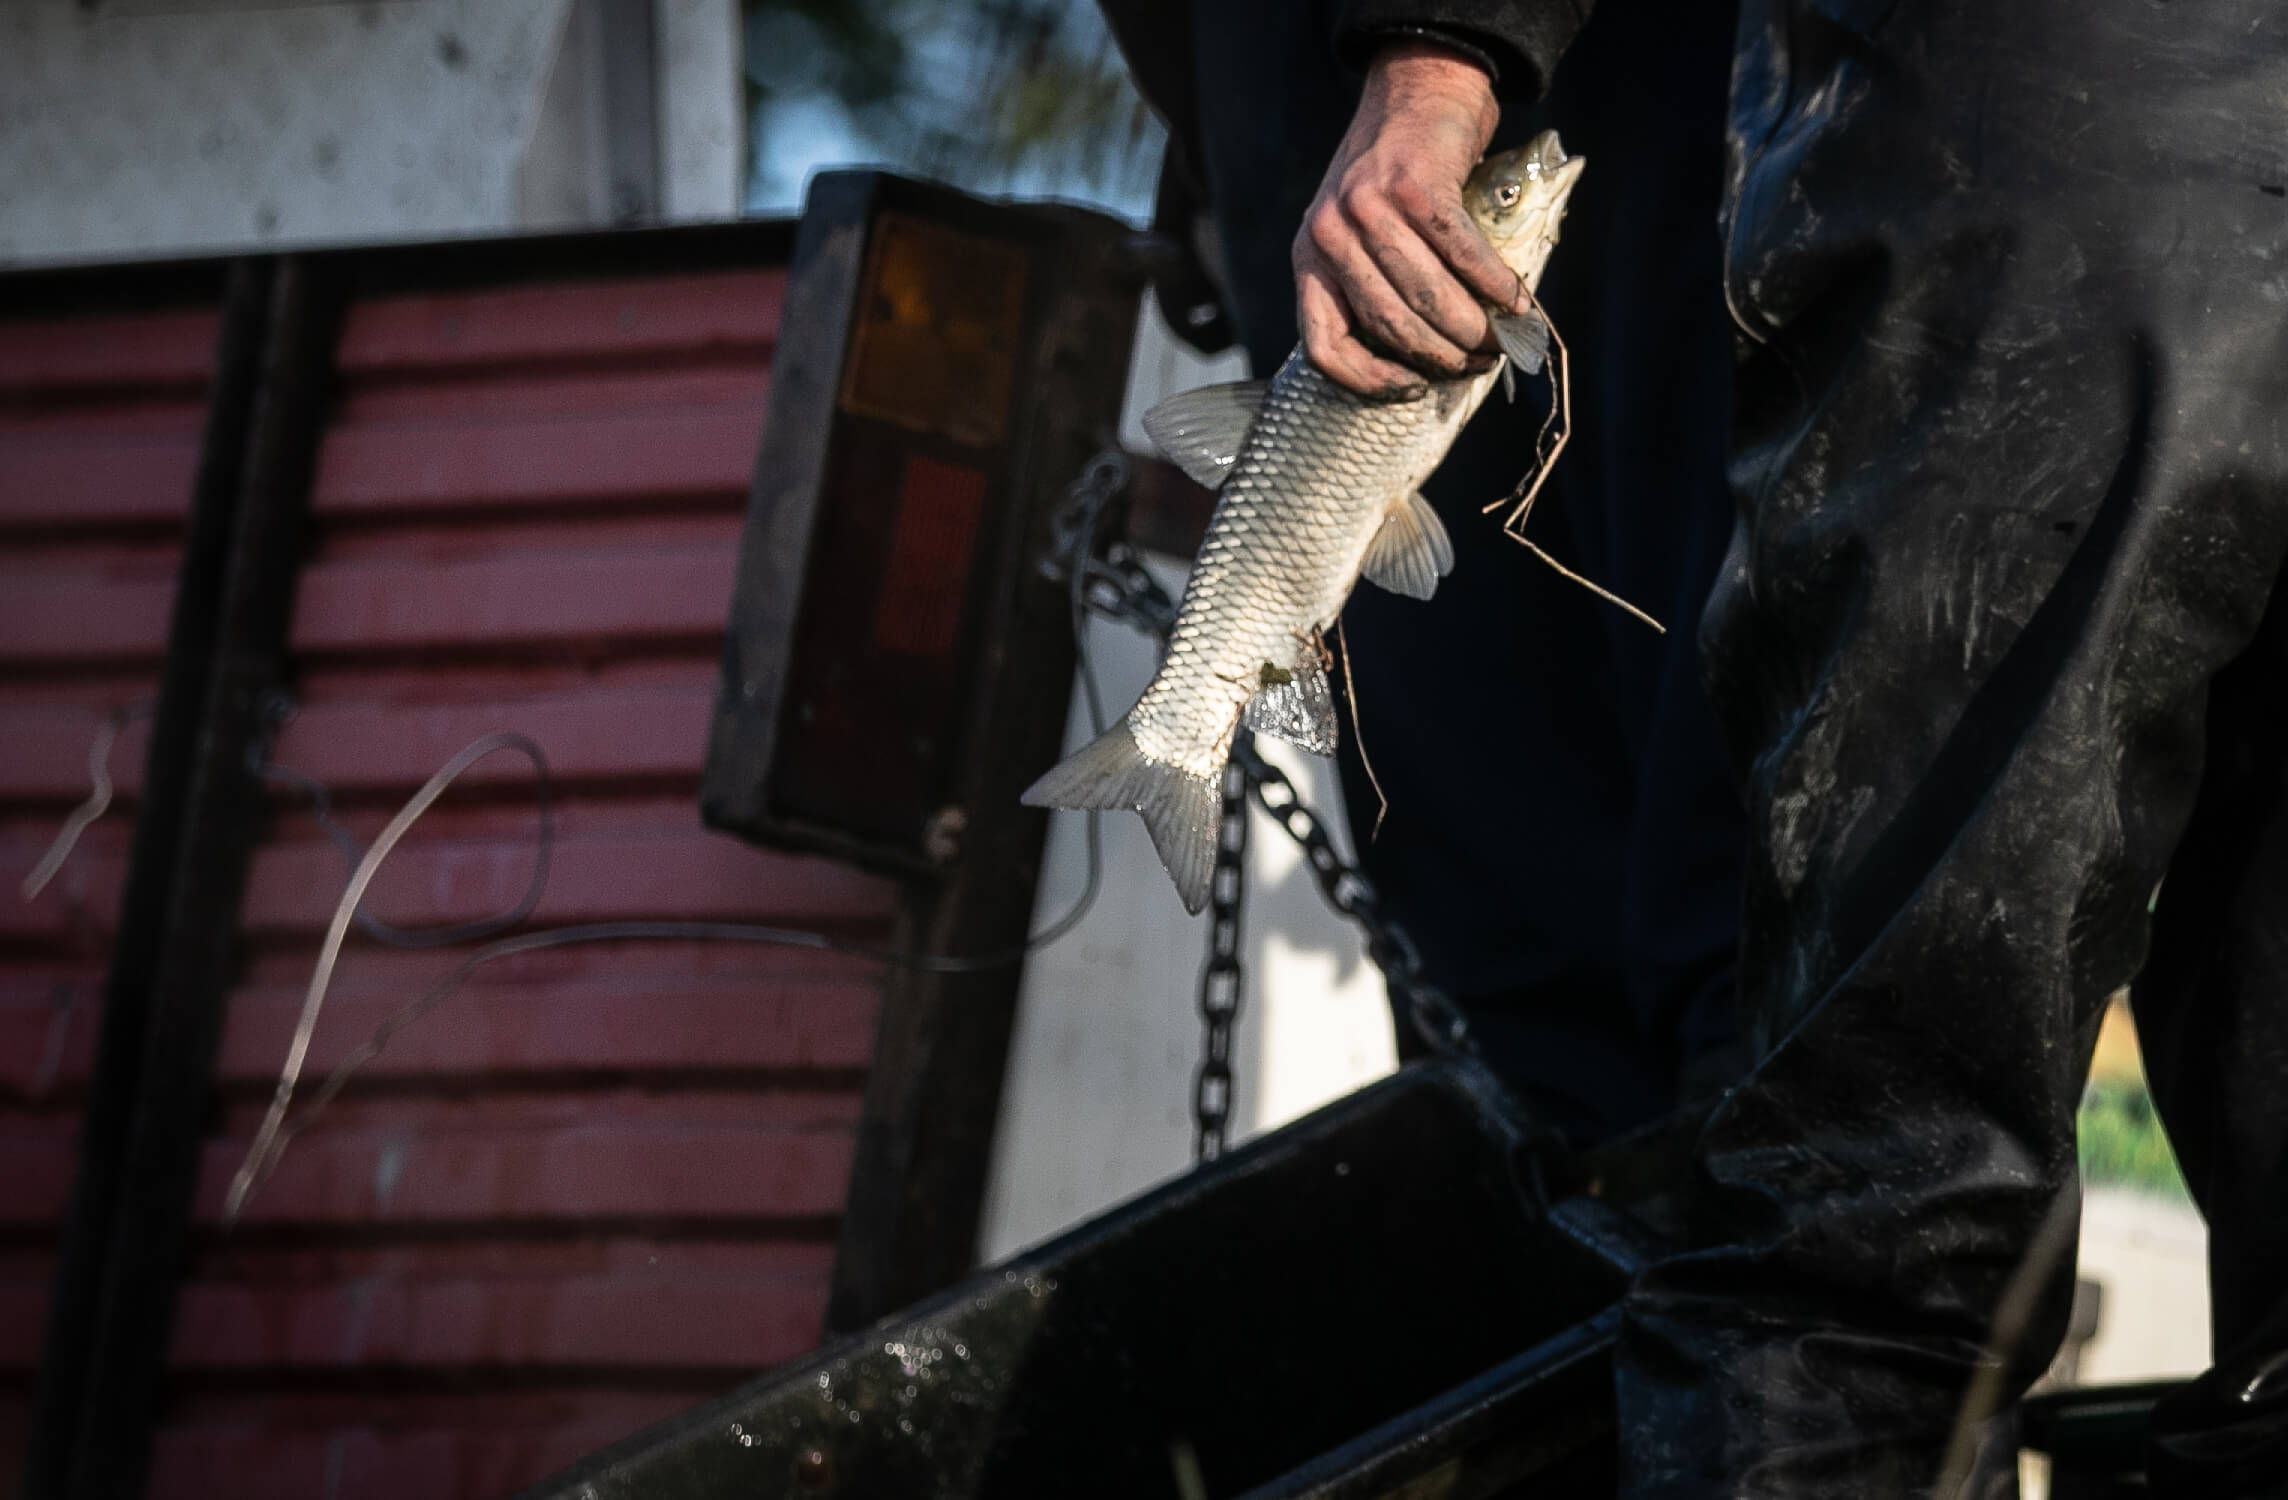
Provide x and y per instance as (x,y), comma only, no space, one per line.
(1220,979)
(1115,584)
(1435,1016)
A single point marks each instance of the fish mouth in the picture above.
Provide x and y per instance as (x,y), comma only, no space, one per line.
(1543,156)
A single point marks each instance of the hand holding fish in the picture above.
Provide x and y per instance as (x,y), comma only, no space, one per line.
(1390,273)
(1318,485)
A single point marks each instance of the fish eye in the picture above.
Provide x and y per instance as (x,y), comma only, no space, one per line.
(1508,194)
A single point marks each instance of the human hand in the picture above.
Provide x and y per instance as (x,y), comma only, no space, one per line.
(1391,277)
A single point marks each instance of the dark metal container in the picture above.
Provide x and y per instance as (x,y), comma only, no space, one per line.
(1371,1301)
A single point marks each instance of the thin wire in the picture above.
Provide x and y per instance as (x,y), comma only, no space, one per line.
(271,1138)
(544,844)
(1513,527)
(1358,734)
(98,798)
(270,1142)
(322,975)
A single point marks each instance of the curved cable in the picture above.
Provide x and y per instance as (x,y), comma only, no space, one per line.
(272,1136)
(98,798)
(544,844)
(321,976)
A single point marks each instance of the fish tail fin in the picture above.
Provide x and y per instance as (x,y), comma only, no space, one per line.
(1180,809)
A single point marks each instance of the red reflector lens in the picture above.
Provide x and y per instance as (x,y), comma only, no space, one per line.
(932,543)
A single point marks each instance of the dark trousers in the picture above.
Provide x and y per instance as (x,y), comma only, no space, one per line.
(1564,833)
(2000,644)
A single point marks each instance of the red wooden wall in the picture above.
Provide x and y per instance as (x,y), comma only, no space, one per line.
(600,1183)
(99,436)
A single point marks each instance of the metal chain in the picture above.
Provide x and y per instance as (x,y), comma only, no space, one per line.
(1117,586)
(1220,979)
(1436,1018)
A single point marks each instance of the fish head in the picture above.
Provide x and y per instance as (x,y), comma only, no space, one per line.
(1518,197)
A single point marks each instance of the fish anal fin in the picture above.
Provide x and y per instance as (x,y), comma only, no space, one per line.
(1300,710)
(1410,551)
(1201,430)
(1524,337)
(1181,810)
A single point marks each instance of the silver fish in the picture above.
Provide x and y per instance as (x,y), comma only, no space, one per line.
(1317,486)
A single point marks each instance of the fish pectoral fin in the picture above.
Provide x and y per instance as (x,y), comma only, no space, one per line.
(1524,337)
(1509,382)
(1410,551)
(1300,710)
(1180,810)
(1201,430)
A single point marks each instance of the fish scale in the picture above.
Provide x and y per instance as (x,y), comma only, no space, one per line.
(1315,485)
(1307,491)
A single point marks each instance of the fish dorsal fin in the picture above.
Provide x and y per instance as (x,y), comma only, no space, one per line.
(1524,337)
(1410,551)
(1299,710)
(1201,430)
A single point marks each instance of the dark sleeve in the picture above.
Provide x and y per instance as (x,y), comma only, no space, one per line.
(1155,40)
(1519,40)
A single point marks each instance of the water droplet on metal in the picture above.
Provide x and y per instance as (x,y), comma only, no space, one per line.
(814,1470)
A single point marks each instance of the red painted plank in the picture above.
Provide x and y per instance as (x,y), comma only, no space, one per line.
(609,532)
(642,1316)
(629,1109)
(371,1458)
(673,594)
(73,612)
(426,684)
(599,1171)
(36,1155)
(113,416)
(661,873)
(593,320)
(611,862)
(92,353)
(196,1404)
(115,478)
(741,382)
(528,461)
(23,1316)
(652,1017)
(642,732)
(684,961)
(225,1260)
(641,1022)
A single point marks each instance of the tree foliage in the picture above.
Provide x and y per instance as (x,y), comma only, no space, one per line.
(998,96)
